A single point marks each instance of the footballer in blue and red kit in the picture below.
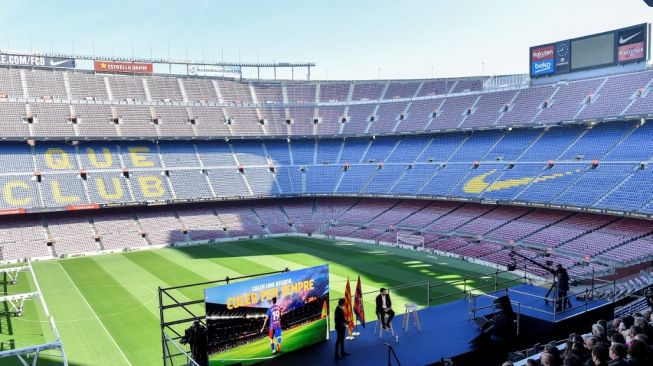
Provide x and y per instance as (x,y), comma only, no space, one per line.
(274,315)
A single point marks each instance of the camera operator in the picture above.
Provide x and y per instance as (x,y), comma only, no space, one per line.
(195,337)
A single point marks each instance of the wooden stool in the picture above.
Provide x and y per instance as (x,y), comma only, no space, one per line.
(379,327)
(411,309)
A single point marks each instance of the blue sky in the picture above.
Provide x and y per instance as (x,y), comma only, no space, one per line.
(355,39)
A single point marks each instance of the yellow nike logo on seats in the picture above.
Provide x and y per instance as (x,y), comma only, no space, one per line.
(478,183)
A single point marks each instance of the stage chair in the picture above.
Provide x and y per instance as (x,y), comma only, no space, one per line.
(411,309)
(379,327)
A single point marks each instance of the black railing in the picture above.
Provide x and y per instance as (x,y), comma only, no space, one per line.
(392,355)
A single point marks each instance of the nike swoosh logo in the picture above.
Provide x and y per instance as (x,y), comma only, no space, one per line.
(478,184)
(623,40)
(57,63)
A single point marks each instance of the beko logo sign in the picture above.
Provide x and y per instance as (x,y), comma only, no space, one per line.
(542,53)
(542,60)
(542,67)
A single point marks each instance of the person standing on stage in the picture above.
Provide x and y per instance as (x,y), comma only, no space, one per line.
(562,279)
(384,308)
(341,327)
(274,315)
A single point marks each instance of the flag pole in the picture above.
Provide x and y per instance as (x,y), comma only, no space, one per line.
(355,333)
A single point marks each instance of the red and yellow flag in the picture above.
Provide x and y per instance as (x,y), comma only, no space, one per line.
(347,309)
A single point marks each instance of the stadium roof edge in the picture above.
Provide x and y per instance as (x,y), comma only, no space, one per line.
(163,60)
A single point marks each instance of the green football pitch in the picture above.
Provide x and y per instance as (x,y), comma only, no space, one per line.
(106,307)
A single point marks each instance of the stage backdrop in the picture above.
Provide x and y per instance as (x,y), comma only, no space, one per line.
(236,316)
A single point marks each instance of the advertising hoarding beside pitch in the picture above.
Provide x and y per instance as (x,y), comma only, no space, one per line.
(123,67)
(10,59)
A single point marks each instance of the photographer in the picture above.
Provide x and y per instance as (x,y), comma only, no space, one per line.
(195,337)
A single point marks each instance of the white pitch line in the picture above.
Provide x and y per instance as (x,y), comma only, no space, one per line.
(95,314)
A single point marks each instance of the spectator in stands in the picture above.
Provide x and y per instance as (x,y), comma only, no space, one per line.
(644,326)
(604,324)
(384,308)
(531,362)
(644,338)
(572,360)
(600,355)
(341,326)
(631,333)
(507,363)
(579,348)
(637,353)
(647,315)
(554,352)
(567,350)
(546,359)
(615,323)
(618,354)
(627,322)
(618,338)
(599,332)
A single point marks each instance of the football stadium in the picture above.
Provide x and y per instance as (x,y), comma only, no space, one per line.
(168,210)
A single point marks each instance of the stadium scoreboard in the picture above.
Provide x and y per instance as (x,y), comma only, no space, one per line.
(620,46)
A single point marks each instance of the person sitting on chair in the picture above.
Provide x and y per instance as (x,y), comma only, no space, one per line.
(384,308)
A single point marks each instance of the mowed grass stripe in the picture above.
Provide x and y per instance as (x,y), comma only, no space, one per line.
(415,265)
(270,252)
(195,259)
(84,340)
(385,270)
(232,256)
(115,285)
(132,330)
(339,273)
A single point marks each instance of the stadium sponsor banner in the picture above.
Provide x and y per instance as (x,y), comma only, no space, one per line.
(631,52)
(542,53)
(543,67)
(562,57)
(92,206)
(9,59)
(12,211)
(123,67)
(631,43)
(543,60)
(211,70)
(258,319)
